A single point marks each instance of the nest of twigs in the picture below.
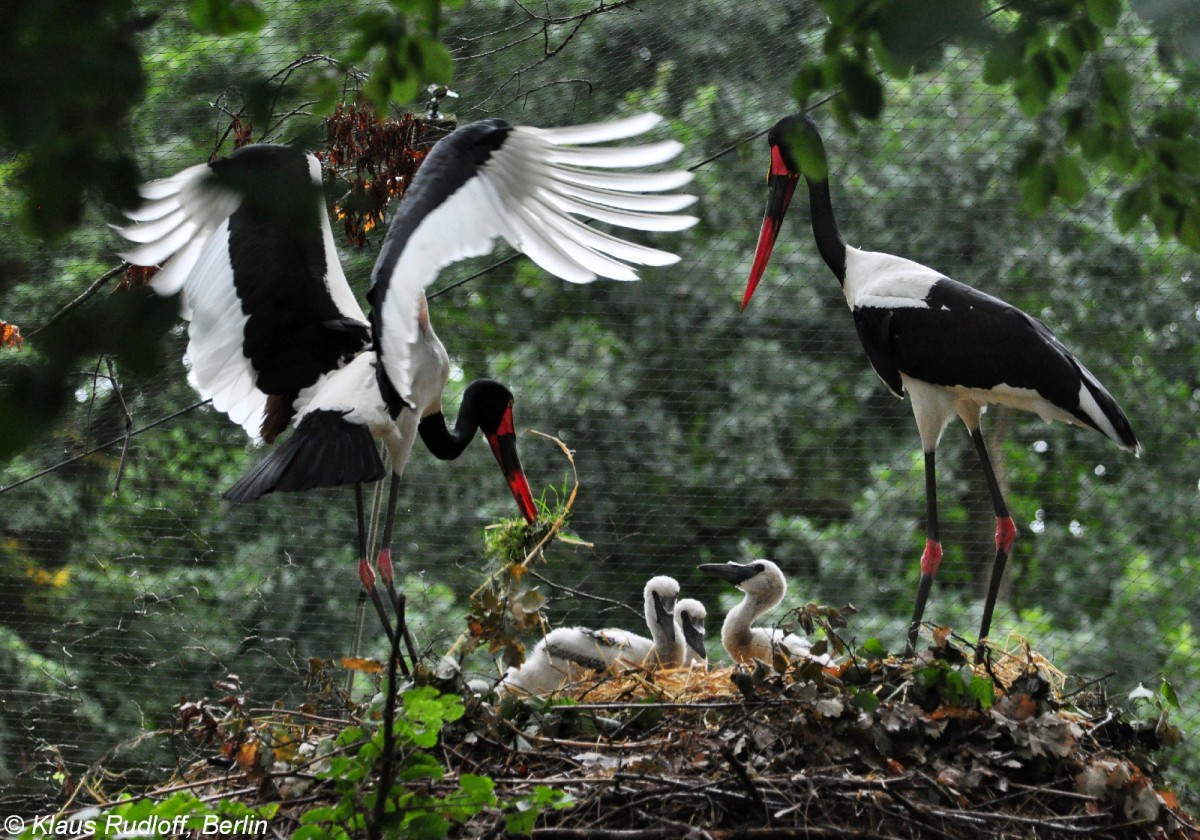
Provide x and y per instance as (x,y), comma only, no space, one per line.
(758,753)
(931,747)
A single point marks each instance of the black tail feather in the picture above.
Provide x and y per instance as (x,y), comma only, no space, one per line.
(325,450)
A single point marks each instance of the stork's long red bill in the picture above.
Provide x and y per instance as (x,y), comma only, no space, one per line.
(504,446)
(781,184)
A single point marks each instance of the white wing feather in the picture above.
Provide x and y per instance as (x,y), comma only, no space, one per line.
(532,192)
(185,224)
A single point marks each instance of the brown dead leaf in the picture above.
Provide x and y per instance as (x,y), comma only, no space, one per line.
(1051,735)
(362,665)
(246,755)
(1016,707)
(947,712)
(373,160)
(10,336)
(137,276)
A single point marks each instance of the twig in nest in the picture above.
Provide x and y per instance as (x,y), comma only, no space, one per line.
(555,526)
(112,376)
(580,594)
(1089,684)
(739,770)
(388,755)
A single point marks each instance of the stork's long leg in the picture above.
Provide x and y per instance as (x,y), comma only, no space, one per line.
(384,562)
(932,556)
(1006,531)
(365,573)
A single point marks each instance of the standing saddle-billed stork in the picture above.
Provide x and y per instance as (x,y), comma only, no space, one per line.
(276,336)
(954,350)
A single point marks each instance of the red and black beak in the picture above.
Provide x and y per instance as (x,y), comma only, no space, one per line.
(781,184)
(504,446)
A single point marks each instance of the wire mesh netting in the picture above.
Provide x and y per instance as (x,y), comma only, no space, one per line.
(697,433)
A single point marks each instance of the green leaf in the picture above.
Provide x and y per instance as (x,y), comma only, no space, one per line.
(1104,13)
(1073,120)
(805,143)
(1086,36)
(350,735)
(872,648)
(548,797)
(521,821)
(226,17)
(435,62)
(423,825)
(1126,156)
(1070,180)
(1132,205)
(805,83)
(420,765)
(1189,235)
(955,687)
(474,794)
(1032,90)
(982,690)
(1068,53)
(1029,158)
(861,87)
(480,788)
(1116,87)
(866,700)
(523,811)
(1037,188)
(1166,689)
(1003,61)
(315,815)
(1095,142)
(1173,122)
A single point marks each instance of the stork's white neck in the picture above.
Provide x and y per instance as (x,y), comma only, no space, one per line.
(763,593)
(668,642)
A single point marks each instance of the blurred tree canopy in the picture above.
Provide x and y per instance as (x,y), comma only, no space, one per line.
(698,434)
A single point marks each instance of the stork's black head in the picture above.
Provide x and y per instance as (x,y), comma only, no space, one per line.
(488,405)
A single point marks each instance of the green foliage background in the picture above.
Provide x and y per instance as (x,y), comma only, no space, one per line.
(700,434)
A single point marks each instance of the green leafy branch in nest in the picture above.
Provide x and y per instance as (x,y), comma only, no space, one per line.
(419,801)
(328,788)
(505,606)
(943,679)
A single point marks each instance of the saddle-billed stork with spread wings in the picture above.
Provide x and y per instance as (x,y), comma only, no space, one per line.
(276,337)
(954,350)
